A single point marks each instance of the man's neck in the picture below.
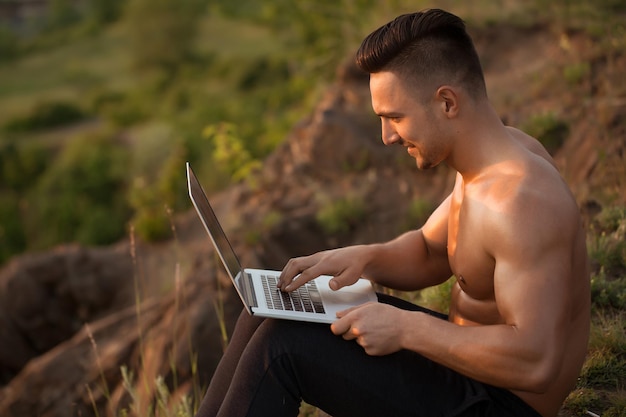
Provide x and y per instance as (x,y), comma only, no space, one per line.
(482,141)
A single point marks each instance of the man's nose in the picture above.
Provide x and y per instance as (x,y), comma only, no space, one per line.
(389,135)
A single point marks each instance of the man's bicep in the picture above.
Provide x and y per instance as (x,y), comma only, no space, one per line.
(531,289)
(532,292)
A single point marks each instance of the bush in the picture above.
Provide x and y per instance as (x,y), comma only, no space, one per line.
(12,237)
(548,130)
(419,211)
(82,197)
(152,224)
(230,153)
(9,46)
(608,294)
(162,33)
(438,297)
(581,400)
(341,216)
(21,165)
(46,115)
(105,11)
(121,109)
(263,71)
(152,201)
(576,73)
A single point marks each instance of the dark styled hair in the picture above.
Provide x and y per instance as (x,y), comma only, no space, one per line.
(428,48)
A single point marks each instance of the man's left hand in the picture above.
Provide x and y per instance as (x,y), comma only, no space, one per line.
(376,327)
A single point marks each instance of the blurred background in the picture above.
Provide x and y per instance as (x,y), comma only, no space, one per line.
(103,101)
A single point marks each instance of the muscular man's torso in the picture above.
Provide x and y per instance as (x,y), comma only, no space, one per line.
(473,299)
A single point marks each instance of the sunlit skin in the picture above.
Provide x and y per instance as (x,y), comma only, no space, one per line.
(509,232)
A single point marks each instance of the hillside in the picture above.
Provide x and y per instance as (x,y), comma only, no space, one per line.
(163,308)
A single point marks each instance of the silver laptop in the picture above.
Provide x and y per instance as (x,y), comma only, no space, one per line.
(315,301)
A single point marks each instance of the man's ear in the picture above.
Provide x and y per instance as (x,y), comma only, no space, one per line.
(448,99)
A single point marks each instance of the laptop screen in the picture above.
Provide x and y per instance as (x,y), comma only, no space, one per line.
(207,215)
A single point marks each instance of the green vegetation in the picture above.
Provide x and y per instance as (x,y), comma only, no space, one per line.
(45,115)
(607,244)
(210,86)
(341,215)
(602,384)
(8,44)
(170,28)
(575,73)
(602,381)
(548,129)
(224,83)
(85,180)
(419,210)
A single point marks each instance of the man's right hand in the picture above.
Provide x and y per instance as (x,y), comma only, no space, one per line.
(346,265)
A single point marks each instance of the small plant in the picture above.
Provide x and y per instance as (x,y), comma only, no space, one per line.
(575,74)
(418,212)
(151,224)
(603,369)
(608,293)
(607,241)
(548,129)
(269,221)
(230,152)
(582,400)
(341,215)
(603,377)
(438,297)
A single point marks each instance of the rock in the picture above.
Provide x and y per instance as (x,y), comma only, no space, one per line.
(176,338)
(45,298)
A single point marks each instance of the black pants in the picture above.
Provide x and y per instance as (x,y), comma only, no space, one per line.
(271,365)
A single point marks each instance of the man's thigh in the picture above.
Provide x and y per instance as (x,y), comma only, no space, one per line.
(339,377)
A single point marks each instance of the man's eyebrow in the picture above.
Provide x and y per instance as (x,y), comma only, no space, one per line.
(388,115)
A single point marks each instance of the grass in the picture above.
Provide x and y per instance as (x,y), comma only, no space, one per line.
(161,396)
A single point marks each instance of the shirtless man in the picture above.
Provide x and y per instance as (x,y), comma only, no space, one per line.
(516,335)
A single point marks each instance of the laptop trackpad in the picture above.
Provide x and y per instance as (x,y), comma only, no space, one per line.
(345,297)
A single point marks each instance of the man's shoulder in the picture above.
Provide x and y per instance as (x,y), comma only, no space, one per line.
(535,207)
(531,144)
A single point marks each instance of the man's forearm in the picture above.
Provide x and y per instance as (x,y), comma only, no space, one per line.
(499,355)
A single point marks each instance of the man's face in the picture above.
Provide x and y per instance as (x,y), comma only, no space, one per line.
(407,121)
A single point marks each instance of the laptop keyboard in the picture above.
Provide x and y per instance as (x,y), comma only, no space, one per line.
(306,298)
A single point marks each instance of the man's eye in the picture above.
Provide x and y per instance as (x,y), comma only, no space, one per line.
(392,119)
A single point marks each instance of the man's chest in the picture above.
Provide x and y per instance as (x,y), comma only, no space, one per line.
(469,261)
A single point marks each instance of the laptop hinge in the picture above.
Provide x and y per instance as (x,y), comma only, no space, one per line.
(248,290)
